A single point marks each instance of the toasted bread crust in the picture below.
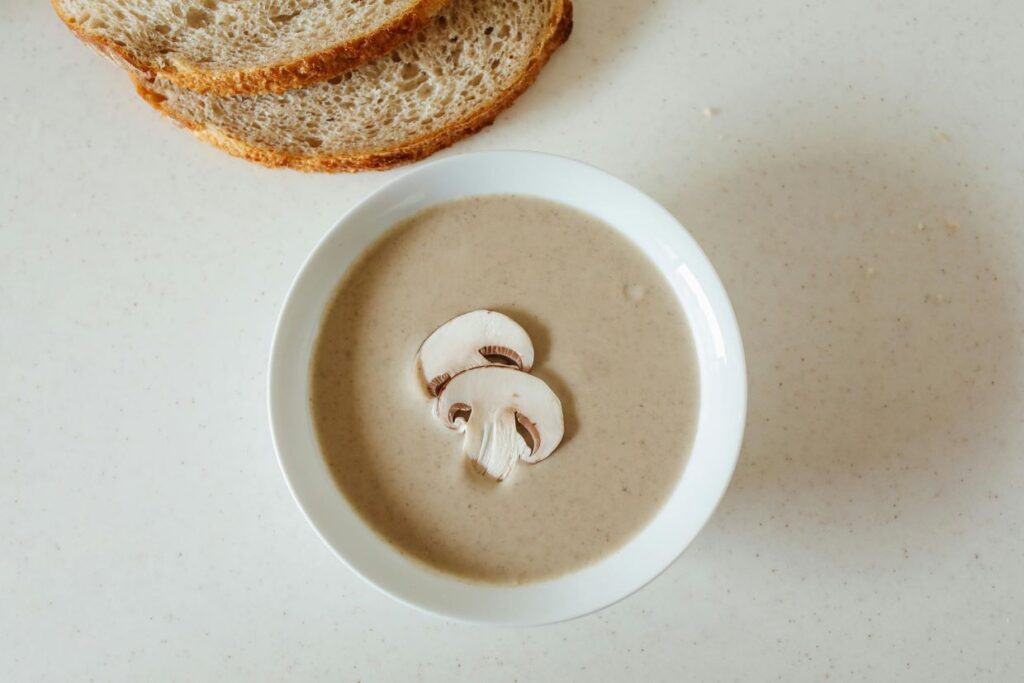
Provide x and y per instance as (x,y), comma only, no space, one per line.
(407,152)
(276,78)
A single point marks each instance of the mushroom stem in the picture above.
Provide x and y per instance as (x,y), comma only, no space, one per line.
(493,443)
(489,405)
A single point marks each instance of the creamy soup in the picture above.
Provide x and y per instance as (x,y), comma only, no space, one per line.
(610,340)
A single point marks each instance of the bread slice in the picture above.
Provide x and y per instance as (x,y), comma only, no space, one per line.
(454,78)
(245,46)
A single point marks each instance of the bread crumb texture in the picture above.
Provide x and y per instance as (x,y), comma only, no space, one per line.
(451,79)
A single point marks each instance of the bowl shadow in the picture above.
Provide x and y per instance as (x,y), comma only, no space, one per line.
(879,316)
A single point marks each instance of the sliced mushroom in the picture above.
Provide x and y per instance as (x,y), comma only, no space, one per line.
(489,404)
(472,340)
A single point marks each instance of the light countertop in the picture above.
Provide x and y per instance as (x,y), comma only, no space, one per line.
(855,170)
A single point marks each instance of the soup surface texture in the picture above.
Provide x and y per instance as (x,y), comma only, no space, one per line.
(610,340)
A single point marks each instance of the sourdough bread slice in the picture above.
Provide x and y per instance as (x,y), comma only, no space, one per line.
(454,78)
(244,46)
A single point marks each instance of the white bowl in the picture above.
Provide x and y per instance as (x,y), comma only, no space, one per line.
(723,388)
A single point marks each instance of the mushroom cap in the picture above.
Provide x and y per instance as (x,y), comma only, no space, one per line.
(468,341)
(497,392)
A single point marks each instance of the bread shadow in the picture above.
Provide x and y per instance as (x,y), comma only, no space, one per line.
(876,301)
(541,338)
(602,30)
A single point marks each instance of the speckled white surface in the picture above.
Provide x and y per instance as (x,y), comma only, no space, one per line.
(874,527)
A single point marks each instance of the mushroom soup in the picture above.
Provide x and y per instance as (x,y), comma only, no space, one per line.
(550,458)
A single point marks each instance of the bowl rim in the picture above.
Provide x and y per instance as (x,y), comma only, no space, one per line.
(714,297)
